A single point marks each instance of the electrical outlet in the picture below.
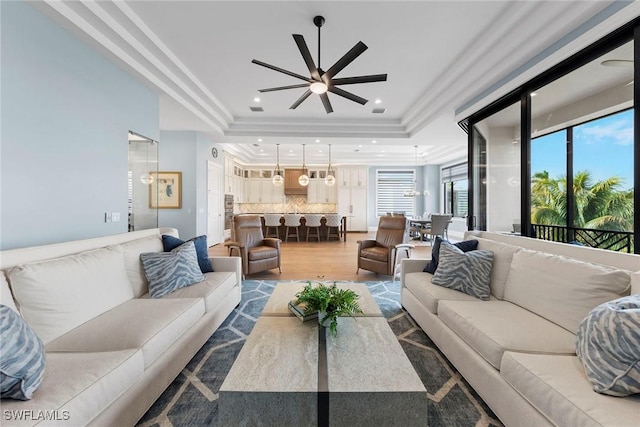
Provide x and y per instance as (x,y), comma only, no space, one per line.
(107,217)
(115,217)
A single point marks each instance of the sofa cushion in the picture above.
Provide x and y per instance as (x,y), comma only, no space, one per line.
(80,385)
(21,359)
(57,295)
(170,243)
(558,388)
(560,289)
(502,257)
(608,345)
(464,246)
(6,297)
(429,294)
(152,325)
(135,271)
(214,289)
(168,271)
(493,327)
(468,272)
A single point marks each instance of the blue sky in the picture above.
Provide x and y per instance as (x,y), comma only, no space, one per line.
(604,147)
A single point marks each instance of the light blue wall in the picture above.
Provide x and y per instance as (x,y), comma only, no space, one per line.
(431,176)
(187,152)
(66,112)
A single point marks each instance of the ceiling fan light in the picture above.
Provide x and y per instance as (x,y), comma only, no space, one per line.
(318,87)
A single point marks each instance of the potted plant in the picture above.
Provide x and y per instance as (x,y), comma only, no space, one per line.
(330,302)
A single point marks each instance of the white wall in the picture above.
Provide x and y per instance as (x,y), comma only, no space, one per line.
(503,176)
(66,113)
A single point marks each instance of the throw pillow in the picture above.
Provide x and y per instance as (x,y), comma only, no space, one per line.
(468,272)
(608,345)
(170,243)
(465,246)
(22,360)
(169,271)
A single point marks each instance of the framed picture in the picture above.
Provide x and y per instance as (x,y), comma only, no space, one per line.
(165,192)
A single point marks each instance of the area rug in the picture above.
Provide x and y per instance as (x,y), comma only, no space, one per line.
(192,398)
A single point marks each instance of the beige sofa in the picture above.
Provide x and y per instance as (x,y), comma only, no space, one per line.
(517,350)
(110,349)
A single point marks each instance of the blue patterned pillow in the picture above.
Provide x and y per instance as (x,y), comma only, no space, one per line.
(468,272)
(22,359)
(608,345)
(169,243)
(169,271)
(465,246)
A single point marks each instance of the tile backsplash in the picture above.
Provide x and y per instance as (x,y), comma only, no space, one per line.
(293,204)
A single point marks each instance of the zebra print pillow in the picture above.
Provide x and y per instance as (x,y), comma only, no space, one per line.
(468,272)
(22,360)
(169,271)
(608,345)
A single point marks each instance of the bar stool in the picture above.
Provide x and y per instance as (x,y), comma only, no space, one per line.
(313,221)
(292,221)
(334,222)
(272,221)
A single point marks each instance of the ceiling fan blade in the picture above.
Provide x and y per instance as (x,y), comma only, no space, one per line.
(327,104)
(355,51)
(306,55)
(281,70)
(299,101)
(360,79)
(271,89)
(348,95)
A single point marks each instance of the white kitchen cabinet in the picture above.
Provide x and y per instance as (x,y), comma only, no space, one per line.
(319,192)
(352,197)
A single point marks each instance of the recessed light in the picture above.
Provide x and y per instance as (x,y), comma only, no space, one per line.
(374,142)
(259,139)
(360,145)
(256,99)
(261,150)
(317,140)
(378,101)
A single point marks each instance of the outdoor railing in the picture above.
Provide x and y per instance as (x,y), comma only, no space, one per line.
(621,241)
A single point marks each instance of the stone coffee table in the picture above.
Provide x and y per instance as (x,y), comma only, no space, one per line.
(289,374)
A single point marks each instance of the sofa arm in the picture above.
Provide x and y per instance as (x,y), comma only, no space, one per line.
(232,264)
(412,265)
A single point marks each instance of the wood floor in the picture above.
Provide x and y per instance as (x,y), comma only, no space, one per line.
(324,260)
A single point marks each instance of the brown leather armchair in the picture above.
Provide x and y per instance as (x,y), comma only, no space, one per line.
(257,253)
(379,255)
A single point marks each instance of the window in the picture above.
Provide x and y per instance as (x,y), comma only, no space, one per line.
(390,188)
(456,190)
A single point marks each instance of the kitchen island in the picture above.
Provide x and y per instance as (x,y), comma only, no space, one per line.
(303,228)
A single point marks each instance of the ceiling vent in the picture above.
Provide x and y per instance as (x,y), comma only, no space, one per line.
(378,110)
(256,109)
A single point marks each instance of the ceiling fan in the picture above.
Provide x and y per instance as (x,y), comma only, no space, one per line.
(322,81)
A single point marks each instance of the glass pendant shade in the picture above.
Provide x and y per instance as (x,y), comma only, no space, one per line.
(304,178)
(413,192)
(277,179)
(330,180)
(146,178)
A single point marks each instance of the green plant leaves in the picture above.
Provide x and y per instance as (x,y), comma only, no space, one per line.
(332,300)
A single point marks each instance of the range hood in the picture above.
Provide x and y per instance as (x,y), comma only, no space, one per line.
(291,185)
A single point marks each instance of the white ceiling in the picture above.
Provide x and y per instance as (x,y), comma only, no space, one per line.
(438,55)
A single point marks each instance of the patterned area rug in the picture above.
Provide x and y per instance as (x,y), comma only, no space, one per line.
(192,398)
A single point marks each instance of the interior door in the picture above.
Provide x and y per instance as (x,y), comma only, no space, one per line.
(215,218)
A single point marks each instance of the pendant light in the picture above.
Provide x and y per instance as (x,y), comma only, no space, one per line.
(304,178)
(330,179)
(277,179)
(413,192)
(146,178)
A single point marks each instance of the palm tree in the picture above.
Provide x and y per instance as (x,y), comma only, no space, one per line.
(599,206)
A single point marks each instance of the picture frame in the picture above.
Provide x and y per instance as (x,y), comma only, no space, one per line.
(165,191)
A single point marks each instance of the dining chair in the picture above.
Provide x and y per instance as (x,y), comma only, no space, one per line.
(292,221)
(438,227)
(334,222)
(313,222)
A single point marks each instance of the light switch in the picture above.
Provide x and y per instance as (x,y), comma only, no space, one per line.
(107,217)
(115,216)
